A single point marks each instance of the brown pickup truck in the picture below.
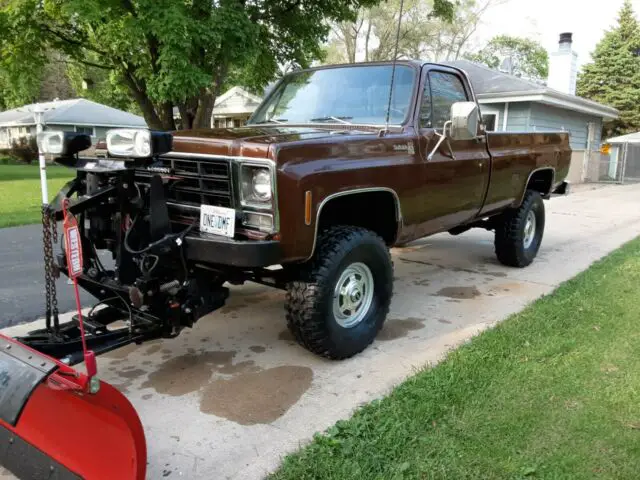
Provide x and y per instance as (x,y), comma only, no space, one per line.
(337,165)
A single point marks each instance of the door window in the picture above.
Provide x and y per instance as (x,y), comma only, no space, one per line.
(446,89)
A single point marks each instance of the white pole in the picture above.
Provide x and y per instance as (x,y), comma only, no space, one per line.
(38,113)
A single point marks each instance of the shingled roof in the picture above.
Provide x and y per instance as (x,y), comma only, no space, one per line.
(78,111)
(492,86)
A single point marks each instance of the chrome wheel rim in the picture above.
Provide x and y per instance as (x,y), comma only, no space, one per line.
(529,229)
(353,295)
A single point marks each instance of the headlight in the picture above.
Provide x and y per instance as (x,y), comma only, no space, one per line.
(129,143)
(137,143)
(51,142)
(63,143)
(257,186)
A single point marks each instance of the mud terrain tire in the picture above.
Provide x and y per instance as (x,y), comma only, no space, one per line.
(359,261)
(519,234)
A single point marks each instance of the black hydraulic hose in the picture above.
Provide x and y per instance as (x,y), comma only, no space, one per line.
(152,245)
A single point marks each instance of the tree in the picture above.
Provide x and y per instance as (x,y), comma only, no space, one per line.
(450,40)
(429,31)
(172,52)
(522,57)
(101,86)
(613,78)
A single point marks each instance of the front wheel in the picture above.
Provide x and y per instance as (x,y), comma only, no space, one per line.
(341,300)
(519,234)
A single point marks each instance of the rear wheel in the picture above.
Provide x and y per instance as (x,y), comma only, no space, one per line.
(519,234)
(342,297)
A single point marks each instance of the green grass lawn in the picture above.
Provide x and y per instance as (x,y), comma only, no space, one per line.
(20,197)
(553,392)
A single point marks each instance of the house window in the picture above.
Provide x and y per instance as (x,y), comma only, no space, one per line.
(490,120)
(86,130)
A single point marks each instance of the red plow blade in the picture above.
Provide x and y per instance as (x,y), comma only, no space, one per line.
(52,429)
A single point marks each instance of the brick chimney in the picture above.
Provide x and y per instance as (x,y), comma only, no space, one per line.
(563,66)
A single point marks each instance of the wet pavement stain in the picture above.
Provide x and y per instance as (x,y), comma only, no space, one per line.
(132,374)
(257,349)
(256,398)
(121,353)
(153,349)
(395,328)
(123,387)
(187,373)
(242,367)
(286,335)
(460,293)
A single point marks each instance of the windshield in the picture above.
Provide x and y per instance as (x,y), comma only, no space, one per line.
(357,94)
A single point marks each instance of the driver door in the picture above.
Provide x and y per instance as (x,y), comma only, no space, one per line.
(455,178)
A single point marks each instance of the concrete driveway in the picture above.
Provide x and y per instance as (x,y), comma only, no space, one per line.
(231,397)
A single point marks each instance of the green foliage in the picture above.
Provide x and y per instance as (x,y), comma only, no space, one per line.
(22,58)
(23,150)
(101,86)
(171,52)
(527,58)
(613,78)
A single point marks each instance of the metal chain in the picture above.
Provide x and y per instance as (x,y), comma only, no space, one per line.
(55,274)
(46,242)
(49,230)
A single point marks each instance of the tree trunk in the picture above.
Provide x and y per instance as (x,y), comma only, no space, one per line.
(366,41)
(166,116)
(202,118)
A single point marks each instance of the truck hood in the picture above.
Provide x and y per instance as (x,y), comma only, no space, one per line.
(254,141)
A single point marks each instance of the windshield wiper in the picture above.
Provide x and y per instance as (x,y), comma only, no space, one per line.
(273,120)
(336,119)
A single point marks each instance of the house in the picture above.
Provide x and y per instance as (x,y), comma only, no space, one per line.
(233,108)
(513,104)
(75,115)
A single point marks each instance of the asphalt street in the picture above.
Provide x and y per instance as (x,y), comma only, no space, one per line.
(22,295)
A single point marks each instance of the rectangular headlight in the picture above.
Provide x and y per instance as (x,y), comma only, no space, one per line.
(62,143)
(129,142)
(137,143)
(256,186)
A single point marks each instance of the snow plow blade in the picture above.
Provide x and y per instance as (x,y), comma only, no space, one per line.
(52,429)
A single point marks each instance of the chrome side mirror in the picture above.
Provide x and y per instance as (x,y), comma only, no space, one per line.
(464,121)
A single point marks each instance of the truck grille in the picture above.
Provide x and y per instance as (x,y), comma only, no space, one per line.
(201,182)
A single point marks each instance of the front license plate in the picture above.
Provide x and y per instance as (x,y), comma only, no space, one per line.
(217,220)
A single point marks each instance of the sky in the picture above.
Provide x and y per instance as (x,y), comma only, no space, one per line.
(544,20)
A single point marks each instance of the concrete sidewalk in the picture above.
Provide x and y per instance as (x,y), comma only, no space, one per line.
(231,397)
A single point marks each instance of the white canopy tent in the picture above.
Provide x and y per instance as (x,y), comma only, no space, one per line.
(628,138)
(624,157)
